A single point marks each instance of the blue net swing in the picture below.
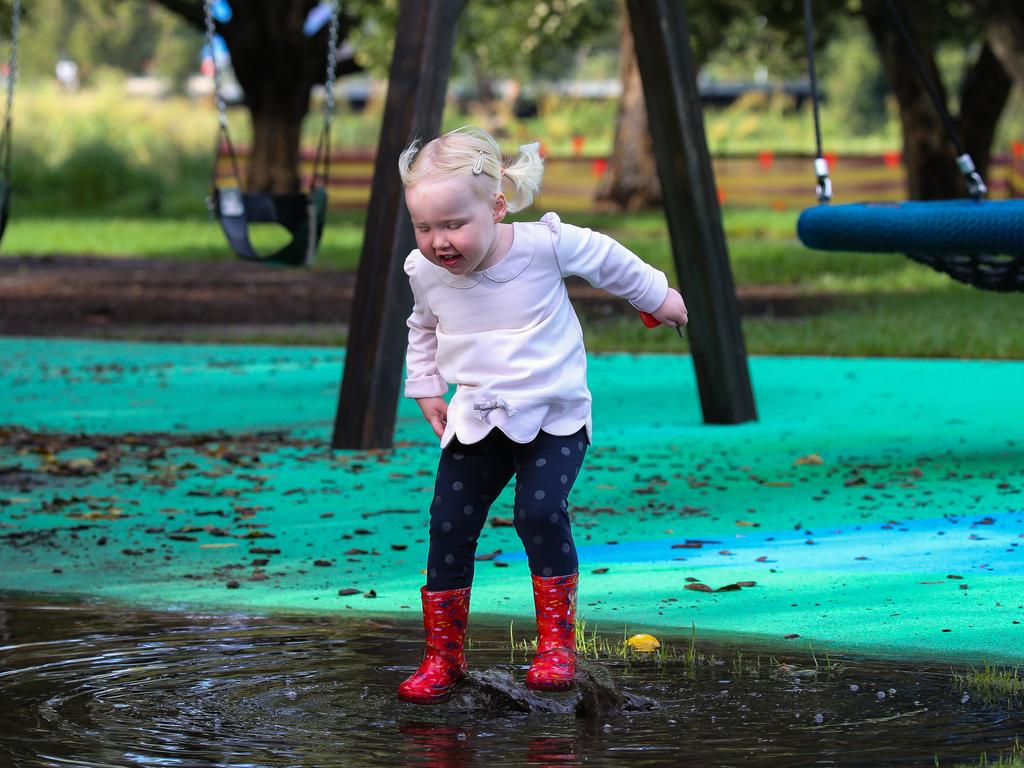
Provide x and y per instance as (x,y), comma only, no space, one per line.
(975,241)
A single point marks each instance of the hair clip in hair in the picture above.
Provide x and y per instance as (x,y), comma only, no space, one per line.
(478,166)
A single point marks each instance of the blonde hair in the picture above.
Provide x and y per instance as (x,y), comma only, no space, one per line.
(471,151)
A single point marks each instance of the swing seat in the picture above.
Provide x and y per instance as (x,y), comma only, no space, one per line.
(300,213)
(978,242)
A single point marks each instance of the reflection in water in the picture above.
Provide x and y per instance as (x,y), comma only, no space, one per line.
(434,745)
(91,686)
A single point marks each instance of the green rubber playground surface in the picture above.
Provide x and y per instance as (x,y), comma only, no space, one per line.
(877,506)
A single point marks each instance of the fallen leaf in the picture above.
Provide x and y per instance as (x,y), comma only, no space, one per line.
(698,587)
(811,458)
(600,570)
(371,593)
(348,591)
(488,556)
(790,637)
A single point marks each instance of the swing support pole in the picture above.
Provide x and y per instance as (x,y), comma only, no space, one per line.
(417,83)
(676,122)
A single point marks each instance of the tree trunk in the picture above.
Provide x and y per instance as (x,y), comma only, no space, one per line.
(631,181)
(1004,31)
(928,151)
(276,66)
(983,97)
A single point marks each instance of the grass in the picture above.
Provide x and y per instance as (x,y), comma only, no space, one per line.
(191,237)
(951,322)
(875,305)
(595,646)
(991,682)
(1012,759)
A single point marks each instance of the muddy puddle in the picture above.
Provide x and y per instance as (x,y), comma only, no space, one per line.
(90,685)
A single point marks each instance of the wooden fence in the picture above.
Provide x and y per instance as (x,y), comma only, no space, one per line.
(765,180)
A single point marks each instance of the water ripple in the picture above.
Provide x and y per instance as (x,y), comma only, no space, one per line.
(95,688)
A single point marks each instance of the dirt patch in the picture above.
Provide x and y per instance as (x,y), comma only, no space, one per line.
(103,297)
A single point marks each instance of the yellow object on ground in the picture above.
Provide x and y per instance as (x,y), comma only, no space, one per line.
(644,643)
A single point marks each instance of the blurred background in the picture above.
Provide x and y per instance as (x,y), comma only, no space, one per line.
(115,137)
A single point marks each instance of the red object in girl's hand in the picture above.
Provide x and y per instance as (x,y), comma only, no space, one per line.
(652,322)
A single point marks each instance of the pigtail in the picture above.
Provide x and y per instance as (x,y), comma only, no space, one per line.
(406,159)
(524,174)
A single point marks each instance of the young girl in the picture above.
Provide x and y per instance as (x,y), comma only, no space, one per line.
(491,314)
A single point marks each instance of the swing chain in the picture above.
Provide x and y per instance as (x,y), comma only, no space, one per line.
(824,186)
(12,78)
(975,184)
(12,66)
(211,31)
(332,63)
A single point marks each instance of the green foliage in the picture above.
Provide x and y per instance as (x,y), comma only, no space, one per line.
(95,174)
(517,38)
(853,83)
(127,35)
(97,150)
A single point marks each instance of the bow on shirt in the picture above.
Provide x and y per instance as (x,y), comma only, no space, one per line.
(486,406)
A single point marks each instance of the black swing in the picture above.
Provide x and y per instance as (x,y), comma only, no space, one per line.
(975,241)
(301,213)
(6,135)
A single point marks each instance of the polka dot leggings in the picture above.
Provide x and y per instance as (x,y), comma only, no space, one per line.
(469,479)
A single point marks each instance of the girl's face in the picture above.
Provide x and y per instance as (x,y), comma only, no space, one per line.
(455,228)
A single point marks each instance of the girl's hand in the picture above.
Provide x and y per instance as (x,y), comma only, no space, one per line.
(435,411)
(672,311)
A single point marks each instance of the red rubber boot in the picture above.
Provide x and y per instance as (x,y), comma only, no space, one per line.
(554,666)
(444,624)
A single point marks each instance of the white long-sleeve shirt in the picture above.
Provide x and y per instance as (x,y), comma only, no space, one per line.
(508,336)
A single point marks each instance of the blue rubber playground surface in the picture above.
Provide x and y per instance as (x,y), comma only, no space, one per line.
(877,506)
